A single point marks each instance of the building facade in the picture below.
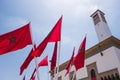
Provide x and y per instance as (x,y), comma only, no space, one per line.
(102,61)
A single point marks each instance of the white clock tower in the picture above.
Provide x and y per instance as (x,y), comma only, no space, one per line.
(97,67)
(101,26)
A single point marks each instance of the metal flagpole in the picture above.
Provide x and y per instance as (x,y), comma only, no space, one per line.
(58,57)
(59,51)
(35,59)
(48,70)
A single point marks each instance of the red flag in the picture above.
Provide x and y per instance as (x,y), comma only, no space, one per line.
(70,62)
(53,36)
(27,61)
(44,62)
(93,78)
(54,57)
(39,50)
(15,40)
(33,78)
(33,74)
(79,59)
(24,78)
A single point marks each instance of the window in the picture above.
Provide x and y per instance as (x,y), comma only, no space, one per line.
(105,78)
(59,78)
(117,76)
(103,18)
(109,78)
(101,78)
(71,75)
(96,19)
(93,75)
(113,78)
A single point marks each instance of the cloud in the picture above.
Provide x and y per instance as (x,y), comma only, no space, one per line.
(66,40)
(66,7)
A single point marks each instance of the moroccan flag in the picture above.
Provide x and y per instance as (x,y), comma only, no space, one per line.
(43,62)
(79,59)
(54,57)
(53,36)
(27,61)
(15,40)
(33,78)
(39,50)
(33,74)
(70,62)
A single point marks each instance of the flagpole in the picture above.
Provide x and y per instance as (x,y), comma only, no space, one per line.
(48,69)
(35,59)
(59,51)
(48,73)
(59,45)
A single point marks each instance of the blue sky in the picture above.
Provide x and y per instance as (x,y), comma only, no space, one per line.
(43,14)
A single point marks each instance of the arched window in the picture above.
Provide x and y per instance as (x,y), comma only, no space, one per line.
(105,78)
(60,78)
(117,76)
(96,19)
(113,78)
(102,78)
(93,75)
(71,75)
(109,78)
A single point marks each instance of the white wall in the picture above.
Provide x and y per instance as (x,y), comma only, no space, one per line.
(109,60)
(103,31)
(117,51)
(106,62)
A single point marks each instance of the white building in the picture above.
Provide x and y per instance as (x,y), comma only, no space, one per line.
(102,60)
